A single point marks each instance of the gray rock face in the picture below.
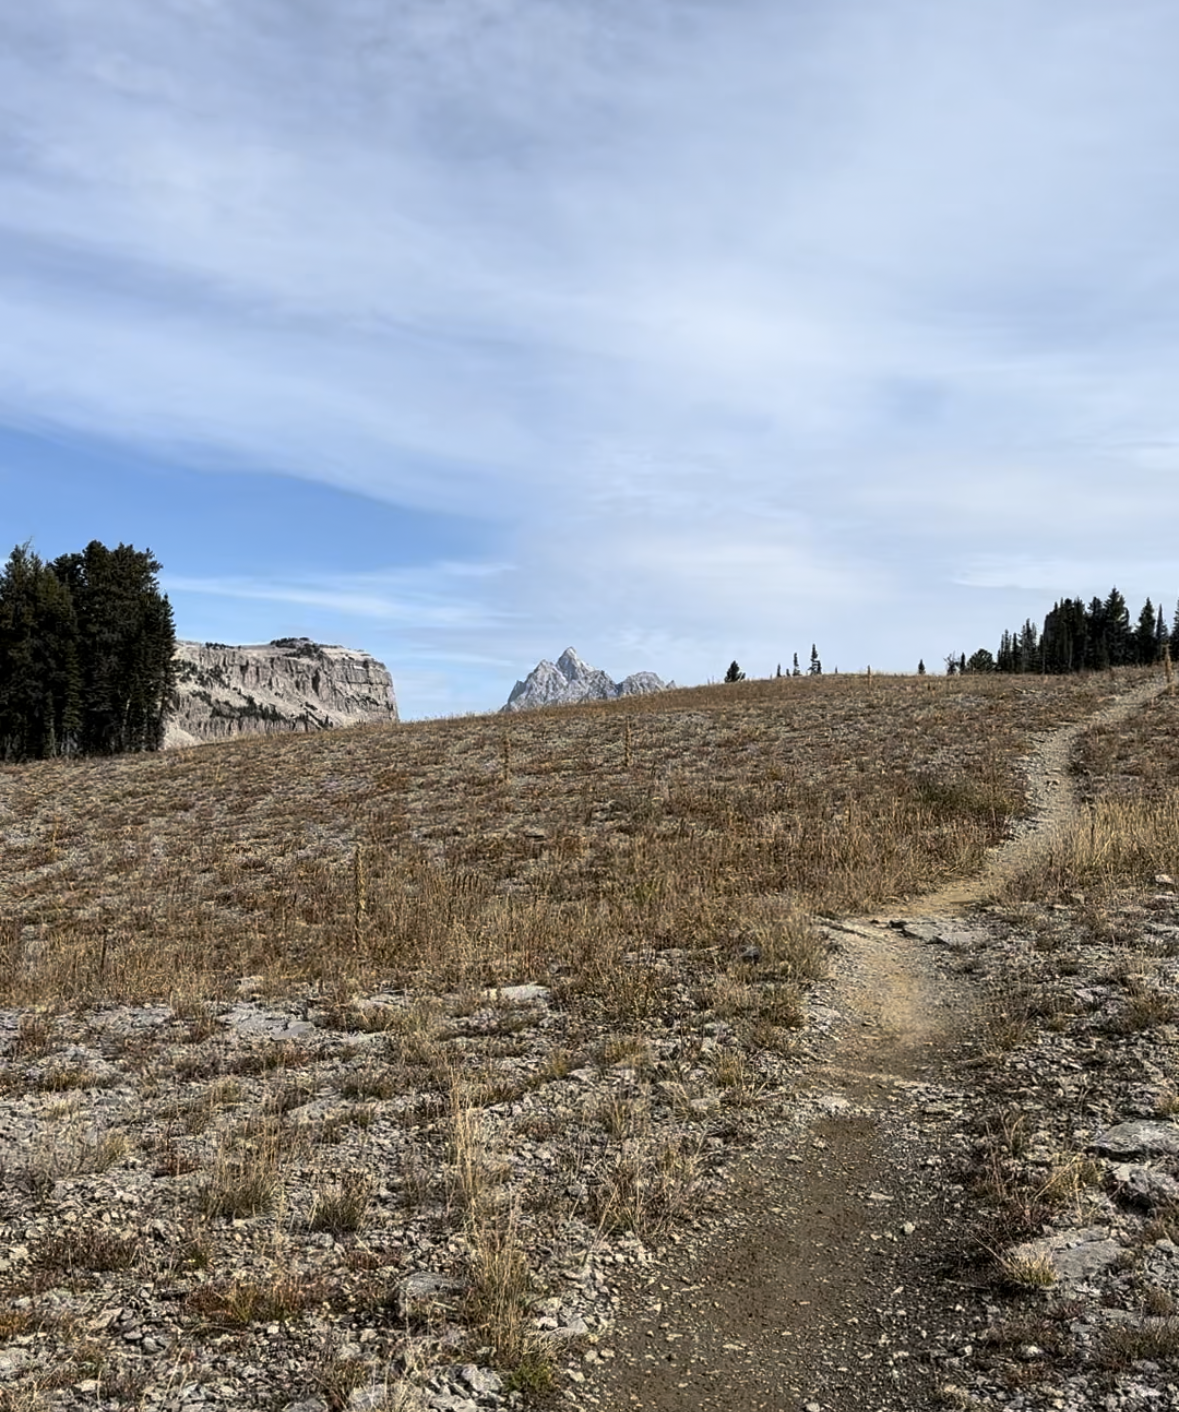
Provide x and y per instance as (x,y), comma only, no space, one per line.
(289,685)
(569,680)
(1129,1139)
(1074,1255)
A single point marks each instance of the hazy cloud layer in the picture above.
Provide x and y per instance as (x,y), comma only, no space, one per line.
(737,326)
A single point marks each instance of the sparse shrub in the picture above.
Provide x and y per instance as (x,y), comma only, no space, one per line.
(33,1035)
(646,1186)
(1126,1344)
(245,1178)
(237,1303)
(340,1207)
(1067,1182)
(1158,1302)
(94,1248)
(1145,1009)
(1027,1271)
(378,1083)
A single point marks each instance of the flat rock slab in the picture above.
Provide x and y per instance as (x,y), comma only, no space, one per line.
(1130,1139)
(249,1021)
(521,994)
(428,1288)
(1145,1186)
(1073,1255)
(936,931)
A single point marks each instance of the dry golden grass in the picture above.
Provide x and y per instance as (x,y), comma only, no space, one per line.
(657,862)
(485,850)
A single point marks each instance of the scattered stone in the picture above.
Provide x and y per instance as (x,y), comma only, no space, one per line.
(1145,1186)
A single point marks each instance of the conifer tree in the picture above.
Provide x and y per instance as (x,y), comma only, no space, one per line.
(40,685)
(126,646)
(816,667)
(796,670)
(734,673)
(1028,654)
(1118,635)
(86,654)
(1145,644)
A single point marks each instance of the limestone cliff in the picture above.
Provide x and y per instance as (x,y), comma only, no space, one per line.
(569,679)
(292,684)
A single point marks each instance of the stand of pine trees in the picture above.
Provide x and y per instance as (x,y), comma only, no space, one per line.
(1078,637)
(86,654)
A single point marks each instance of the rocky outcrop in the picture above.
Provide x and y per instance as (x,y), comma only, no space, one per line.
(292,684)
(569,680)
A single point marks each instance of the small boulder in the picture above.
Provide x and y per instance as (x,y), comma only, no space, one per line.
(1142,1136)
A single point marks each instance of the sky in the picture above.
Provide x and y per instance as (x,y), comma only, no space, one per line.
(464,331)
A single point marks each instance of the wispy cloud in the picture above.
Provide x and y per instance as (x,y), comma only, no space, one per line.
(415,599)
(731,319)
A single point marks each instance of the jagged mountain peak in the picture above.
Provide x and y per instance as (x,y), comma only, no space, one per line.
(570,679)
(570,664)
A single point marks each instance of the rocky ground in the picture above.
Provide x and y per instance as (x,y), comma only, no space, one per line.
(946,1177)
(261,1208)
(876,1219)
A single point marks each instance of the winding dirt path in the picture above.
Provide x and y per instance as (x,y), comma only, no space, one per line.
(824,1287)
(1053,803)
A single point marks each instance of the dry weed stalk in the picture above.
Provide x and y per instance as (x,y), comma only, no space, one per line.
(359,897)
(501,1291)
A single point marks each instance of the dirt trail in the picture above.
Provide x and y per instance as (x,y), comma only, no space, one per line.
(1053,800)
(825,1287)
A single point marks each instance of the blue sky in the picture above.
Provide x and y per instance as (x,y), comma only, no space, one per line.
(466,330)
